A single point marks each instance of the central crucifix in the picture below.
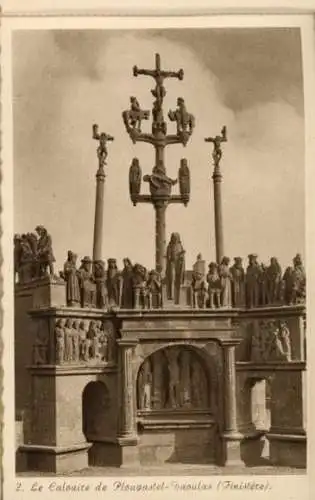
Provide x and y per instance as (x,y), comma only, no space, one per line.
(159,183)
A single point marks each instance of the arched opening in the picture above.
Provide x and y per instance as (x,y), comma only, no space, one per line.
(177,407)
(174,378)
(260,403)
(95,406)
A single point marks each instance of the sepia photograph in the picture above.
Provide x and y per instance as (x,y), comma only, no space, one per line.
(159,251)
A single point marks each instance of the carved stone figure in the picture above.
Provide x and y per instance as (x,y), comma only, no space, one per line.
(139,278)
(184,180)
(252,281)
(17,257)
(283,339)
(145,385)
(60,340)
(217,148)
(299,281)
(68,340)
(133,117)
(199,284)
(154,289)
(174,377)
(198,384)
(103,138)
(102,341)
(225,277)
(76,340)
(238,283)
(70,274)
(263,285)
(27,260)
(84,348)
(126,289)
(185,122)
(134,179)
(45,256)
(87,283)
(100,281)
(175,267)
(92,339)
(274,274)
(214,286)
(160,183)
(113,282)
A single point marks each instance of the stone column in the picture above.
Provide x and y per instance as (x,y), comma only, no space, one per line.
(99,210)
(218,220)
(160,238)
(127,434)
(231,436)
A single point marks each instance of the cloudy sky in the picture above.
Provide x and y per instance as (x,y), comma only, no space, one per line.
(248,79)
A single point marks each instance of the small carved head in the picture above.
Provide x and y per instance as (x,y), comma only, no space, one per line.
(60,322)
(40,230)
(127,263)
(180,101)
(86,263)
(225,261)
(69,323)
(82,325)
(76,324)
(297,261)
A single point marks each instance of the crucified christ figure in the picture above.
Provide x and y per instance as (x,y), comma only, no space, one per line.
(102,152)
(217,149)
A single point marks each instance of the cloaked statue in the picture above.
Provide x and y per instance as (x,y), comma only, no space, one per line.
(126,288)
(184,181)
(199,284)
(87,283)
(134,180)
(45,256)
(113,283)
(70,275)
(175,267)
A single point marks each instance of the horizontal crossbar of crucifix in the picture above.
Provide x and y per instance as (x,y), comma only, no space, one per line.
(147,198)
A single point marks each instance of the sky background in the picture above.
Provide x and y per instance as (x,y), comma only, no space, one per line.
(247,79)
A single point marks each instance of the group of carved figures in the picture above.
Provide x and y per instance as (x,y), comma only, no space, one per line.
(172,378)
(92,286)
(133,117)
(160,183)
(260,285)
(271,341)
(33,255)
(79,340)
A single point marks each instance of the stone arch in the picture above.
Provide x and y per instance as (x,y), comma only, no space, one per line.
(175,376)
(95,407)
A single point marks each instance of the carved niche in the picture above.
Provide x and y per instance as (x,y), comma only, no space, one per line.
(172,378)
(271,341)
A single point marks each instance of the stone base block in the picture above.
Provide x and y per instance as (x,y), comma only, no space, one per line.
(56,460)
(254,449)
(232,449)
(186,446)
(114,454)
(49,292)
(288,450)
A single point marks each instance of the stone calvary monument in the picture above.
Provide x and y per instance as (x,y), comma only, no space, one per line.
(132,367)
